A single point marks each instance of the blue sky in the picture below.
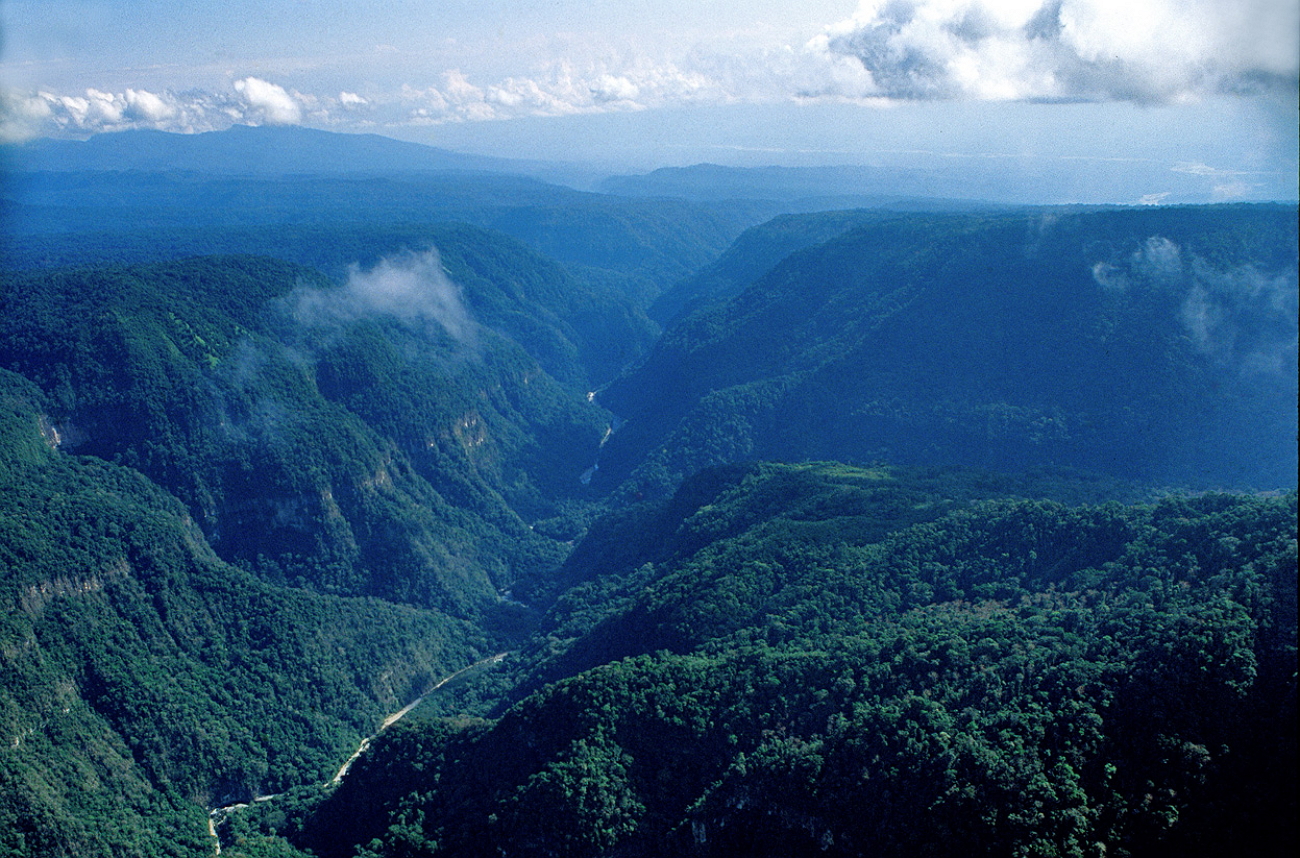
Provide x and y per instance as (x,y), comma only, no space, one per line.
(1203,91)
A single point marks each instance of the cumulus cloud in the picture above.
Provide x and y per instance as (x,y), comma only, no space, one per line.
(251,101)
(1150,52)
(563,88)
(1154,51)
(269,102)
(143,106)
(94,110)
(412,288)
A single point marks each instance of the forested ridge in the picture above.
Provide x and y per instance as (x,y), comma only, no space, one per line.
(1009,677)
(321,438)
(1158,345)
(906,537)
(145,679)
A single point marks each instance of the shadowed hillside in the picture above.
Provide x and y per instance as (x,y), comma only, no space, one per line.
(1158,345)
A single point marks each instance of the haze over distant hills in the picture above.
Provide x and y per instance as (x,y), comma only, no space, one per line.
(920,181)
(887,178)
(252,150)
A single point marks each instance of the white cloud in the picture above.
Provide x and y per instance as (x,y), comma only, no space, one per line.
(560,90)
(1154,51)
(144,106)
(1150,51)
(253,102)
(269,102)
(27,115)
(412,288)
(610,87)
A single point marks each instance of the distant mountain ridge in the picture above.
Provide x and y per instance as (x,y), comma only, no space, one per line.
(254,150)
(849,185)
(928,181)
(952,182)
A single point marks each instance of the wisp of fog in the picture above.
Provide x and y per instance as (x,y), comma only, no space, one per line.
(411,287)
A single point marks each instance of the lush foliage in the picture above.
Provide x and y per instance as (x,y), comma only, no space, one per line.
(579,326)
(1011,678)
(315,439)
(1157,345)
(753,254)
(251,503)
(636,246)
(142,679)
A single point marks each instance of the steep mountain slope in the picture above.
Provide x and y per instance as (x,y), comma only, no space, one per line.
(142,679)
(361,438)
(247,507)
(582,327)
(1158,345)
(753,254)
(841,673)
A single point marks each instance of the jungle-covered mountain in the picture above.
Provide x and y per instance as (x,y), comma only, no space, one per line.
(143,679)
(1159,345)
(281,452)
(752,254)
(370,437)
(822,660)
(63,219)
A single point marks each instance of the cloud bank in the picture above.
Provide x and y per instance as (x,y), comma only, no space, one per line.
(1146,52)
(560,90)
(1152,51)
(251,101)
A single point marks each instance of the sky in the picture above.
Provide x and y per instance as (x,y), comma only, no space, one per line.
(1203,91)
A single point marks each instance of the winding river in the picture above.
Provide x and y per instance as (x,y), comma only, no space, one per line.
(216,815)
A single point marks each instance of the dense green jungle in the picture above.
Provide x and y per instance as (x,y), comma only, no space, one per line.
(704,514)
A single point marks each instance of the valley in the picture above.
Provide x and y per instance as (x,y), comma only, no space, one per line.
(725,514)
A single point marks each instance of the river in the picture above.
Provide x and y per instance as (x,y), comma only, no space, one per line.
(218,814)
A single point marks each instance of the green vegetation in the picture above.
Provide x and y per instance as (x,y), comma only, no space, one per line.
(751,255)
(883,561)
(637,246)
(1011,678)
(314,439)
(142,679)
(581,327)
(1153,345)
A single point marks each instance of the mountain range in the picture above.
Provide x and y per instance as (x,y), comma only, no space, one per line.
(358,500)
